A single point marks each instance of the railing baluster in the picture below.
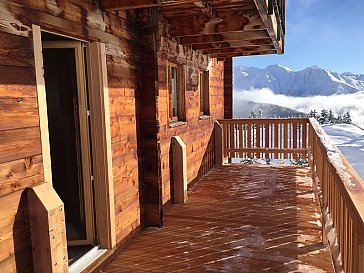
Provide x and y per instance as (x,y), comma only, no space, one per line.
(241,143)
(304,139)
(266,142)
(249,138)
(258,138)
(276,148)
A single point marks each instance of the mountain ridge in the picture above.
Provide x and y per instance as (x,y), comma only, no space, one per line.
(311,81)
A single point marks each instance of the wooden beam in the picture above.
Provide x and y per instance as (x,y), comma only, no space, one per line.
(229,44)
(223,22)
(238,49)
(229,36)
(42,103)
(206,8)
(136,4)
(242,53)
(270,26)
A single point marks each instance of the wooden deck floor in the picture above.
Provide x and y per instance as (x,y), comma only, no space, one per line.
(238,219)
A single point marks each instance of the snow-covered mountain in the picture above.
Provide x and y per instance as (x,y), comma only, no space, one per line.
(312,81)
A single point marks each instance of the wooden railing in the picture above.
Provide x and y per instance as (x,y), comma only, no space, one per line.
(340,188)
(342,200)
(265,138)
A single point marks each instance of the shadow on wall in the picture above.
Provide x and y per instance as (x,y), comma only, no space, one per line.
(22,236)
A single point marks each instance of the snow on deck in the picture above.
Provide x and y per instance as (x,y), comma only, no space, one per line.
(349,139)
(239,218)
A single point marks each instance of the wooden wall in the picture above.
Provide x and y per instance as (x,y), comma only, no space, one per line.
(195,132)
(20,147)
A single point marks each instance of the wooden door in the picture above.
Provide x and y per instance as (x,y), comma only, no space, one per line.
(68,120)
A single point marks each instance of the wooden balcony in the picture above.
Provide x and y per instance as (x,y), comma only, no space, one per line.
(261,218)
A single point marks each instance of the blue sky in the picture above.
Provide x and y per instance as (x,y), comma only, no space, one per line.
(327,33)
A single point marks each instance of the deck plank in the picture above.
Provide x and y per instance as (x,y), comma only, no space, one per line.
(238,219)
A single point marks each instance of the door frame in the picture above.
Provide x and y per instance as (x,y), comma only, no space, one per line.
(84,136)
(100,132)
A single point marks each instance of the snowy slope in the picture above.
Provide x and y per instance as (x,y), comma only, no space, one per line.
(243,108)
(308,82)
(350,141)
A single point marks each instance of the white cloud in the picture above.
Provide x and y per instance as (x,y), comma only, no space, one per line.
(338,103)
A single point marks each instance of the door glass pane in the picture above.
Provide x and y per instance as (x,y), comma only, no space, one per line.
(64,136)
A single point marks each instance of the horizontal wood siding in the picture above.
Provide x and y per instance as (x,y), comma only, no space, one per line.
(20,147)
(196,133)
(20,150)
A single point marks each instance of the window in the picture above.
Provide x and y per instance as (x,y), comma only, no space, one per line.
(176,93)
(204,93)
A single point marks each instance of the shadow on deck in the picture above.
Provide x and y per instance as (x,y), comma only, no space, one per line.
(240,218)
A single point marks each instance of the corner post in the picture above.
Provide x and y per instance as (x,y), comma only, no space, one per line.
(179,170)
(48,229)
(219,154)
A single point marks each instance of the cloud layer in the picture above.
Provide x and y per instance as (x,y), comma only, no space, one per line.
(338,103)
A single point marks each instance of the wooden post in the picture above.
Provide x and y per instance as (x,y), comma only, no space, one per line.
(360,256)
(48,229)
(101,146)
(179,170)
(219,154)
(228,88)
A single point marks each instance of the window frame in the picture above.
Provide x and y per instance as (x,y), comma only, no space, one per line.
(204,93)
(180,93)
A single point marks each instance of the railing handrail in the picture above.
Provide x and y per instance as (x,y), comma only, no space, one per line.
(354,190)
(342,199)
(262,119)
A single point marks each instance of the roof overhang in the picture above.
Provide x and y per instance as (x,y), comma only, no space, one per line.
(220,28)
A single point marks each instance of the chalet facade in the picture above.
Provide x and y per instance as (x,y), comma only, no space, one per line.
(107,113)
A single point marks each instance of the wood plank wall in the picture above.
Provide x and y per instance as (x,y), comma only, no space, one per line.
(195,133)
(20,150)
(20,147)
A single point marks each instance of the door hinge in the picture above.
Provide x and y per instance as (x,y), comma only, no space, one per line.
(88,113)
(83,44)
(92,178)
